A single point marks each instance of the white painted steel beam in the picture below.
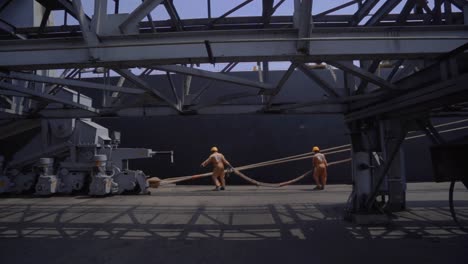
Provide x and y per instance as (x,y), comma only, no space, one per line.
(213,76)
(138,14)
(69,82)
(363,74)
(127,74)
(207,110)
(227,46)
(234,46)
(317,79)
(47,97)
(437,95)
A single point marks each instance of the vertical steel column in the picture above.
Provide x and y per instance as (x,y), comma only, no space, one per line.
(45,134)
(116,7)
(373,173)
(88,33)
(447,12)
(391,172)
(266,71)
(100,14)
(305,23)
(465,14)
(361,178)
(396,177)
(362,164)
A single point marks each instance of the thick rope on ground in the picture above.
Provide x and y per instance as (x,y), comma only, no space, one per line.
(333,150)
(272,185)
(281,184)
(260,164)
(248,179)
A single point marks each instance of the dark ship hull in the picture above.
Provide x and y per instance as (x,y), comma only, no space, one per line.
(245,139)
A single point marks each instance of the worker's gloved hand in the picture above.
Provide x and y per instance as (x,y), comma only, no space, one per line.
(230,169)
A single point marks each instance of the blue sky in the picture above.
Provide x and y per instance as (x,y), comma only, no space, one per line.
(198,8)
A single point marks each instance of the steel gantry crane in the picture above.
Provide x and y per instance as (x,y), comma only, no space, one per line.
(421,44)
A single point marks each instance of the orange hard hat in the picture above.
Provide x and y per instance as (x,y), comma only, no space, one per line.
(214,149)
(315,149)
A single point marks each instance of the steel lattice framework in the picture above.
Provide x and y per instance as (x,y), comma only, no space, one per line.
(423,44)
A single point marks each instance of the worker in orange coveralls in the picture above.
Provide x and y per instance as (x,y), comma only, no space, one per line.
(218,161)
(320,169)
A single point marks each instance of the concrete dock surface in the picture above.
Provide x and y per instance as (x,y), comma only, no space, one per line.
(244,224)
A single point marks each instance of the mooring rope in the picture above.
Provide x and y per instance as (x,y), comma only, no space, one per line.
(258,165)
(308,155)
(281,184)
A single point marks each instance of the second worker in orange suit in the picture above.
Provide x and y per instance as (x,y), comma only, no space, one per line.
(320,169)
